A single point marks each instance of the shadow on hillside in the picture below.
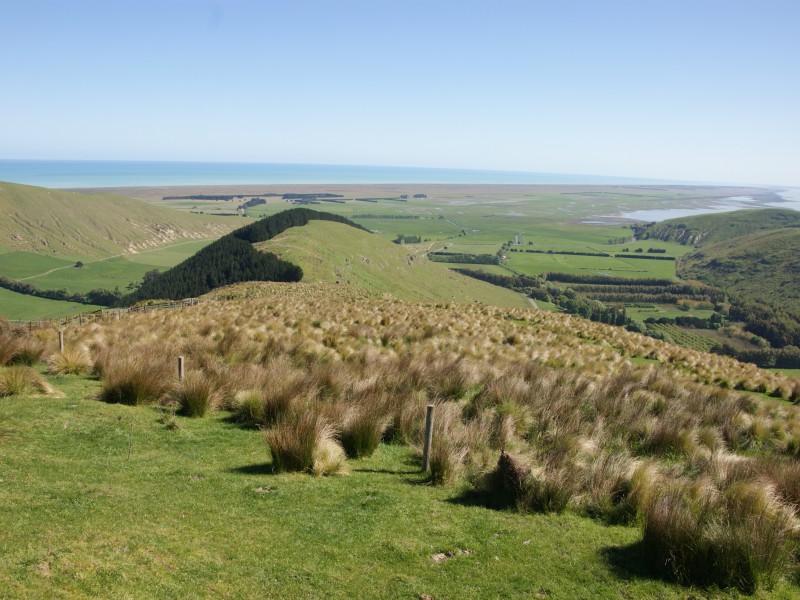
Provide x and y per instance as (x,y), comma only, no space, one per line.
(629,562)
(256,469)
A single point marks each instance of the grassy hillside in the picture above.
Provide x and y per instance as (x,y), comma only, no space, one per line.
(334,253)
(70,225)
(750,252)
(601,429)
(761,266)
(711,228)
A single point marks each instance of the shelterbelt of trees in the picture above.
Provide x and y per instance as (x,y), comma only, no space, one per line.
(232,259)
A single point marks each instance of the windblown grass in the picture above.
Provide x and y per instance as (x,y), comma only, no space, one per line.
(18,380)
(135,380)
(560,420)
(305,442)
(196,395)
(74,360)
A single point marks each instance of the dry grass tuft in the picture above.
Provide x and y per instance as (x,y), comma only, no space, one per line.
(363,427)
(73,360)
(18,380)
(135,380)
(196,395)
(305,442)
(742,537)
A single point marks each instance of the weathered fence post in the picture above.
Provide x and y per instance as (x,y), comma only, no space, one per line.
(180,368)
(61,341)
(426,450)
(80,319)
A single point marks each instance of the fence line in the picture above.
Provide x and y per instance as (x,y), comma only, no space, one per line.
(104,314)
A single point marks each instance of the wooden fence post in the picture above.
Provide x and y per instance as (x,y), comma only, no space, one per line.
(180,368)
(426,450)
(61,341)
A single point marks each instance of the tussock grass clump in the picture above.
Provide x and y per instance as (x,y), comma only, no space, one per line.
(609,484)
(741,537)
(73,360)
(305,442)
(270,394)
(19,347)
(363,428)
(407,417)
(196,395)
(28,352)
(449,448)
(135,380)
(18,379)
(534,488)
(10,339)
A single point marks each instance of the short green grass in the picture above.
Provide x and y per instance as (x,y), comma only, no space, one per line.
(105,501)
(334,253)
(787,372)
(29,308)
(668,311)
(535,264)
(20,264)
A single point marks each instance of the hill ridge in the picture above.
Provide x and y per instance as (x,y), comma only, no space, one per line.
(70,224)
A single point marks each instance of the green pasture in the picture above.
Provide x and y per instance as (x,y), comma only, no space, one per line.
(107,274)
(535,264)
(664,310)
(787,372)
(168,256)
(548,219)
(49,273)
(29,308)
(16,265)
(105,501)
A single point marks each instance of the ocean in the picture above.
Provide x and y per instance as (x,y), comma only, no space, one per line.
(92,173)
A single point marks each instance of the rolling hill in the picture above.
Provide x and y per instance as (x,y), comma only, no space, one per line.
(73,225)
(706,229)
(761,266)
(751,252)
(334,253)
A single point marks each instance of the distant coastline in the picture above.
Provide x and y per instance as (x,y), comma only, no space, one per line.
(95,174)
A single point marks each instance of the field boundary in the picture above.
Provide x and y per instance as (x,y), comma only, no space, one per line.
(103,314)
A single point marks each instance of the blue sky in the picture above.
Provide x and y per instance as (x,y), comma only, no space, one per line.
(689,90)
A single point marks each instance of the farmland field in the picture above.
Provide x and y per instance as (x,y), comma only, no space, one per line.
(29,308)
(51,273)
(477,219)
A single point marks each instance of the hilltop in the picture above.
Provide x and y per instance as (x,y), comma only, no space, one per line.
(334,253)
(74,225)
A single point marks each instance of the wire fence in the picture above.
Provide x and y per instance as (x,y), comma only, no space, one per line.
(104,314)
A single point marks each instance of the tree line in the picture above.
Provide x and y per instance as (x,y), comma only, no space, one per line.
(99,296)
(473,259)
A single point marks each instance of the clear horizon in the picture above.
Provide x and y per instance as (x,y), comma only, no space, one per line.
(684,91)
(110,173)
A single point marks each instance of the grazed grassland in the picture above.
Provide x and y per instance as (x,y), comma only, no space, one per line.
(608,439)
